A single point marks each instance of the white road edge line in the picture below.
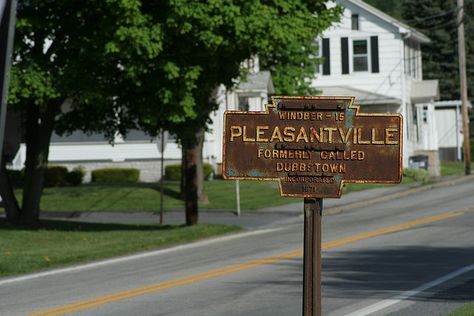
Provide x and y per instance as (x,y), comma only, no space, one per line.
(138,256)
(405,295)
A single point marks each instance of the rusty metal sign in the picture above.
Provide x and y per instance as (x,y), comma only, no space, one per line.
(312,145)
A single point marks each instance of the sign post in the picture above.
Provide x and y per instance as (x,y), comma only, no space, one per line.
(312,263)
(312,146)
(161,142)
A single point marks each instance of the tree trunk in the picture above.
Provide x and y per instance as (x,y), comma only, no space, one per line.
(39,127)
(202,197)
(182,187)
(193,176)
(12,209)
(191,183)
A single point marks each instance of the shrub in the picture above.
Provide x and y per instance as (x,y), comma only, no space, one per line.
(208,171)
(115,175)
(55,176)
(418,175)
(76,176)
(173,171)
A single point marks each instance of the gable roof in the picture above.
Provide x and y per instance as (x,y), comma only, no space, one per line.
(261,81)
(362,97)
(406,30)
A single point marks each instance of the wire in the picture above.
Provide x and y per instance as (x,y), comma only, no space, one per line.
(433,16)
(440,26)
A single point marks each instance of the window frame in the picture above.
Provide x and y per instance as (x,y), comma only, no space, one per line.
(319,56)
(355,22)
(367,54)
(241,106)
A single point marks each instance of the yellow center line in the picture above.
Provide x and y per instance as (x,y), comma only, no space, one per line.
(81,305)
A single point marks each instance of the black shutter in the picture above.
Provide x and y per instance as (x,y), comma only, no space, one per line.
(374,53)
(327,61)
(345,55)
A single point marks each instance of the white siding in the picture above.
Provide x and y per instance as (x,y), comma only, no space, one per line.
(107,152)
(212,151)
(387,81)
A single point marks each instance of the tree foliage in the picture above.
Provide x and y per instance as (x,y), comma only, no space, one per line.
(114,65)
(71,61)
(391,7)
(204,45)
(437,20)
(206,42)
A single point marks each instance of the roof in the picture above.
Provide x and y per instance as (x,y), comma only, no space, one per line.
(403,28)
(450,104)
(362,97)
(261,81)
(424,91)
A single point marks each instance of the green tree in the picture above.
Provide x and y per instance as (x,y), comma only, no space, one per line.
(119,64)
(73,60)
(391,7)
(437,19)
(205,43)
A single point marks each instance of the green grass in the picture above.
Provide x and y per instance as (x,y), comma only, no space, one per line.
(355,187)
(451,168)
(146,196)
(466,310)
(253,194)
(57,243)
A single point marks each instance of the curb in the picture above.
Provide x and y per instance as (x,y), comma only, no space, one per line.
(339,209)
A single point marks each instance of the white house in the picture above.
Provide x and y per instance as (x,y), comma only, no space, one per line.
(368,54)
(140,151)
(377,59)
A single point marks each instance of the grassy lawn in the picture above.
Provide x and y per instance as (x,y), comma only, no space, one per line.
(466,310)
(451,168)
(59,243)
(146,196)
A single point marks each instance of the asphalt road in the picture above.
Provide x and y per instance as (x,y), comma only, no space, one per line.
(410,256)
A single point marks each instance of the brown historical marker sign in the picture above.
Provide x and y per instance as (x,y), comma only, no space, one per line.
(312,145)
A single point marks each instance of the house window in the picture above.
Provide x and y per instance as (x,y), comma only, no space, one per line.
(243,103)
(360,55)
(318,56)
(324,66)
(412,60)
(407,59)
(355,22)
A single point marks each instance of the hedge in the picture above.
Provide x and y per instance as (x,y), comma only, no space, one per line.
(115,175)
(173,171)
(55,176)
(76,176)
(417,175)
(208,171)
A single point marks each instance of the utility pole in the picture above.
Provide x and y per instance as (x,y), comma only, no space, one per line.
(463,81)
